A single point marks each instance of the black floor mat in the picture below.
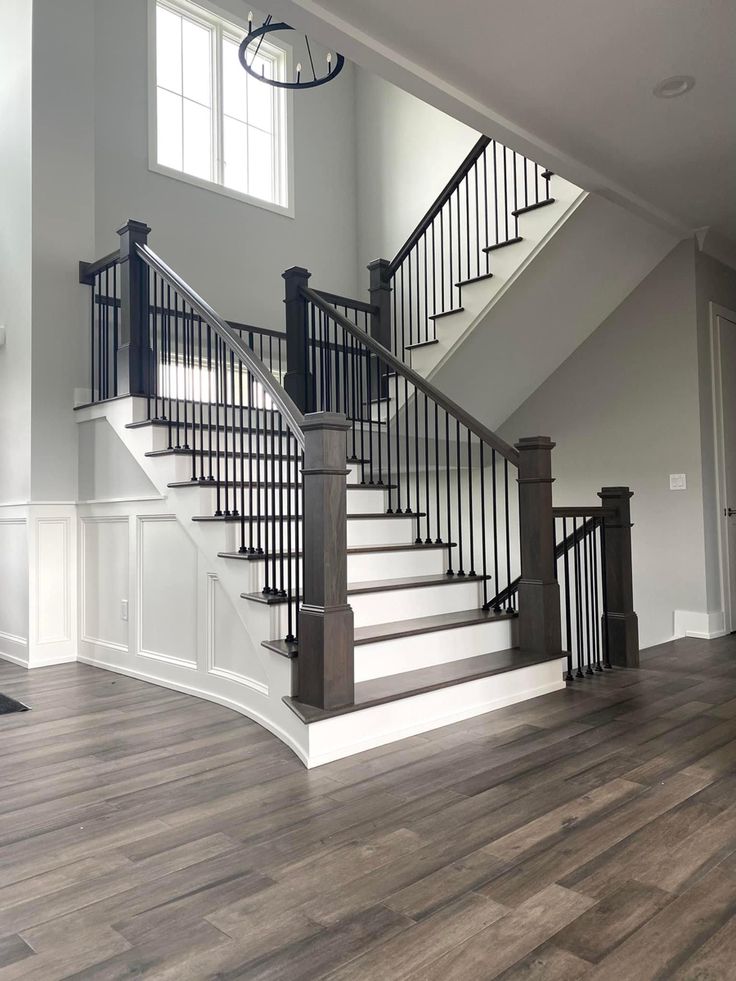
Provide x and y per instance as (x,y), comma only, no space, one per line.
(8,705)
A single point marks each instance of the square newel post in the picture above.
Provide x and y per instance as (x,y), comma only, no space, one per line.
(620,620)
(297,381)
(325,662)
(380,323)
(539,591)
(135,364)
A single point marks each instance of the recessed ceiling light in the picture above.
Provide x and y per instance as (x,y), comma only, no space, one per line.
(670,88)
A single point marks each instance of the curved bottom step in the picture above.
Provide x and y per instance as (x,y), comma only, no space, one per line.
(395,687)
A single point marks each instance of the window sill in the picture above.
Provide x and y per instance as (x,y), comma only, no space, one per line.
(177,175)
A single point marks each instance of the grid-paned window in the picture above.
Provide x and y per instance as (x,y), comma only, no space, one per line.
(214,122)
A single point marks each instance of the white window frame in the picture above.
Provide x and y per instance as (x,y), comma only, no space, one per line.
(225,25)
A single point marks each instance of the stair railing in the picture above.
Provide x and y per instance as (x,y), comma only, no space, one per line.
(593,548)
(476,213)
(437,463)
(276,475)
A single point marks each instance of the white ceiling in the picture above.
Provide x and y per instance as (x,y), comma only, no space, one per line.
(572,79)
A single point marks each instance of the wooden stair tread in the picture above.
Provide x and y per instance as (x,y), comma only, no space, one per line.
(418,344)
(532,207)
(205,482)
(379,586)
(403,628)
(445,313)
(352,550)
(374,516)
(502,245)
(392,688)
(475,279)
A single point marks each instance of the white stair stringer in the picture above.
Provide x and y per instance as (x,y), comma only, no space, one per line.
(342,735)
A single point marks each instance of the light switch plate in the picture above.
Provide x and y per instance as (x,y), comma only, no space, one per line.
(678,481)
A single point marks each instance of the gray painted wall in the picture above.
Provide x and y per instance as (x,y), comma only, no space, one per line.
(15,251)
(406,152)
(63,233)
(625,409)
(232,252)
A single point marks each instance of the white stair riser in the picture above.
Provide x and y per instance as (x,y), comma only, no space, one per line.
(424,601)
(182,468)
(163,439)
(225,535)
(382,658)
(254,500)
(382,531)
(367,566)
(363,567)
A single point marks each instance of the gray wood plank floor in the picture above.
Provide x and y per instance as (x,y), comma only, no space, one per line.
(587,834)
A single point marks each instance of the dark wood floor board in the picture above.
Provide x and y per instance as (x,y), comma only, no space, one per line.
(619,912)
(587,834)
(511,938)
(581,845)
(644,854)
(415,948)
(668,940)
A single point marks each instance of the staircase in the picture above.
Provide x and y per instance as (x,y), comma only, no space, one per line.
(389,575)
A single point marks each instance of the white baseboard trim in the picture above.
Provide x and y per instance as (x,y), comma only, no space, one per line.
(13,659)
(704,626)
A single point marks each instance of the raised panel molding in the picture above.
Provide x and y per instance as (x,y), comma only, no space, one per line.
(53,581)
(89,574)
(169,598)
(213,590)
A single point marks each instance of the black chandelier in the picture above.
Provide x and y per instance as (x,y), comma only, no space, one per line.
(255,37)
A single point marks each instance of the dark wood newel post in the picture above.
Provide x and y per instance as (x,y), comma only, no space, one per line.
(622,622)
(296,381)
(135,362)
(380,292)
(380,323)
(325,662)
(539,591)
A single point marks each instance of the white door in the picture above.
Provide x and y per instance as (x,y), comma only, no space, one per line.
(726,330)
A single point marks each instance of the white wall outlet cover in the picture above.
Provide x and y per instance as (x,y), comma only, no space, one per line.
(2,335)
(678,481)
(124,609)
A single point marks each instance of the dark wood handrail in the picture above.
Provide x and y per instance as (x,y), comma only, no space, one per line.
(294,418)
(444,196)
(345,301)
(88,270)
(452,408)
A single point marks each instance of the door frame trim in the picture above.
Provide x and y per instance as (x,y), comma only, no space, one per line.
(716,311)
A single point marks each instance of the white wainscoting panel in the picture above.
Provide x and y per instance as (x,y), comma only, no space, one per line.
(167,591)
(52,608)
(227,642)
(14,589)
(104,580)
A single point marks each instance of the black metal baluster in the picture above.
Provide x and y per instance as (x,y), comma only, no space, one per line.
(264,518)
(215,428)
(438,518)
(578,616)
(484,567)
(596,606)
(604,590)
(450,570)
(588,624)
(510,604)
(494,477)
(568,622)
(471,516)
(116,328)
(461,555)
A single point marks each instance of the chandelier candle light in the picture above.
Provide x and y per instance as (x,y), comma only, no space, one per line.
(255,37)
